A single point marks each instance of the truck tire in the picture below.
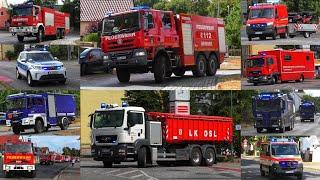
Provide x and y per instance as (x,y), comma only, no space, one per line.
(160,69)
(83,69)
(39,126)
(32,174)
(262,173)
(30,81)
(255,84)
(209,157)
(63,81)
(58,34)
(300,176)
(262,37)
(212,65)
(249,38)
(271,173)
(291,36)
(259,130)
(195,157)
(7,174)
(142,159)
(107,164)
(16,129)
(179,72)
(64,123)
(282,129)
(123,75)
(40,35)
(306,34)
(272,80)
(200,68)
(301,78)
(284,35)
(274,35)
(20,38)
(168,74)
(18,75)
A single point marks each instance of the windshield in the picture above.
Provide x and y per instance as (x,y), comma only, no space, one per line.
(16,103)
(258,62)
(268,105)
(18,148)
(38,57)
(284,149)
(108,119)
(124,23)
(22,11)
(261,13)
(307,109)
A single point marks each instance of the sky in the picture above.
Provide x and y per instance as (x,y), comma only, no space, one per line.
(19,1)
(314,93)
(55,143)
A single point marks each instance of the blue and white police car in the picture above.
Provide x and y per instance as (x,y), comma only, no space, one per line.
(38,65)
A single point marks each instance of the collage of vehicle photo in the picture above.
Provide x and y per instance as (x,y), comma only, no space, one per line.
(160,89)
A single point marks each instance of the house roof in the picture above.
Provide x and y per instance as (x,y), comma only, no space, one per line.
(94,10)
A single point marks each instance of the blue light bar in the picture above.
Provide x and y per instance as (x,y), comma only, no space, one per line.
(140,8)
(125,104)
(104,106)
(281,140)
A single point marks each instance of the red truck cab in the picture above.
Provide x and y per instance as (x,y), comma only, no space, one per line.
(30,20)
(19,157)
(267,20)
(279,65)
(143,39)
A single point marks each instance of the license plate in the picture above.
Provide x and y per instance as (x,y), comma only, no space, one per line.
(290,172)
(258,32)
(105,150)
(52,72)
(255,78)
(121,58)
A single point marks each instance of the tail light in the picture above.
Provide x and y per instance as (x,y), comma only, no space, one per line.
(10,116)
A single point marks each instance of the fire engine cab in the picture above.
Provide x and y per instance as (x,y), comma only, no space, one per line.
(280,157)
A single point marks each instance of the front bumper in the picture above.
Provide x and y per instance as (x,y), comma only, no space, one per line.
(258,32)
(109,153)
(128,58)
(259,79)
(24,30)
(18,122)
(287,171)
(14,167)
(52,75)
(273,123)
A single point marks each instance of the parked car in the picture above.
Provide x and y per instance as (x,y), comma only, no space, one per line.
(2,118)
(93,59)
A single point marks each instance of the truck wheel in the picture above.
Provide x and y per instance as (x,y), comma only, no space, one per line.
(18,75)
(306,34)
(255,84)
(262,173)
(7,174)
(39,127)
(299,176)
(32,174)
(249,38)
(30,81)
(83,69)
(271,174)
(16,129)
(196,157)
(123,75)
(212,65)
(107,164)
(58,34)
(168,74)
(63,81)
(64,123)
(284,35)
(20,38)
(282,130)
(200,69)
(40,35)
(273,80)
(274,35)
(262,37)
(259,130)
(291,36)
(159,69)
(301,78)
(142,159)
(179,72)
(209,157)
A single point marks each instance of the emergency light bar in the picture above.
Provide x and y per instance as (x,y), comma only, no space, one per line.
(106,106)
(281,140)
(140,8)
(125,104)
(306,103)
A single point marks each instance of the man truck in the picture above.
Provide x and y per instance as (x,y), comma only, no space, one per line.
(128,133)
(143,39)
(19,157)
(273,111)
(40,111)
(30,20)
(280,65)
(307,111)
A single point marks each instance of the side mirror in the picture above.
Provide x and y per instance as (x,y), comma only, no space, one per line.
(23,60)
(55,58)
(30,60)
(91,120)
(126,129)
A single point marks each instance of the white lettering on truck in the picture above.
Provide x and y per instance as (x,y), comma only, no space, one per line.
(204,27)
(113,37)
(194,133)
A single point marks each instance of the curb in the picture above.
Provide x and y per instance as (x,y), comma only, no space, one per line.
(58,175)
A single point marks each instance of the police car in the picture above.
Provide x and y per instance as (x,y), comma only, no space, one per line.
(38,65)
(280,157)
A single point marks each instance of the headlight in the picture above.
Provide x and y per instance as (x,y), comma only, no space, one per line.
(248,24)
(106,57)
(30,167)
(7,167)
(270,24)
(140,53)
(36,67)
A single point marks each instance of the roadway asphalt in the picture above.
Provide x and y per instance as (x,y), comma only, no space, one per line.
(94,170)
(307,84)
(250,170)
(8,78)
(69,173)
(306,128)
(43,171)
(146,81)
(297,40)
(70,39)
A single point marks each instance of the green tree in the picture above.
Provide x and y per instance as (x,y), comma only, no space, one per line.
(46,3)
(72,7)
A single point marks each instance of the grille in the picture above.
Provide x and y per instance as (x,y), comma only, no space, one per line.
(128,43)
(106,139)
(258,27)
(52,76)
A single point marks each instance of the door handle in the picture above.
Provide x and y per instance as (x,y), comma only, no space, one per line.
(141,131)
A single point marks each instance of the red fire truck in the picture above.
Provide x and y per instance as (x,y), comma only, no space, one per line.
(143,40)
(121,134)
(279,65)
(46,157)
(29,20)
(19,156)
(267,19)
